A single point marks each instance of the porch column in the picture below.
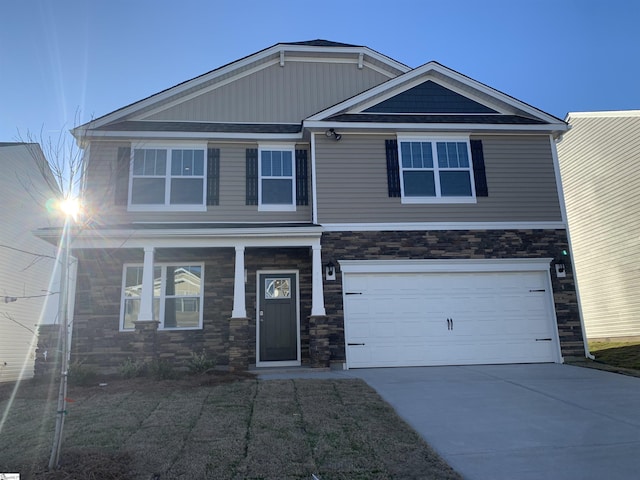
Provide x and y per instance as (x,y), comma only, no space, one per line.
(145,343)
(239,296)
(239,323)
(319,350)
(146,296)
(317,291)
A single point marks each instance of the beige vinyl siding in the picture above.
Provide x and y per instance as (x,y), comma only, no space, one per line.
(276,94)
(352,183)
(23,194)
(599,163)
(232,206)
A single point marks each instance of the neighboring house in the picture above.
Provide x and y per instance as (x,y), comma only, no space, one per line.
(28,287)
(321,204)
(600,166)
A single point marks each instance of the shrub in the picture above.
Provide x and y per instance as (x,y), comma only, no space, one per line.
(132,368)
(81,375)
(200,362)
(160,369)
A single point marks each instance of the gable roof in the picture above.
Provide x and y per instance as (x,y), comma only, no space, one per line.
(431,96)
(237,67)
(434,94)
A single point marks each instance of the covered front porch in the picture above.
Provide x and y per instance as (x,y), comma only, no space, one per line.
(255,294)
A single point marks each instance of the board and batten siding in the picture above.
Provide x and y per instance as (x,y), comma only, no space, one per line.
(232,206)
(600,168)
(23,193)
(276,94)
(352,183)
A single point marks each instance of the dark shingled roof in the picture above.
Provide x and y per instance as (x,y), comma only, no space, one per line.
(321,43)
(145,126)
(483,119)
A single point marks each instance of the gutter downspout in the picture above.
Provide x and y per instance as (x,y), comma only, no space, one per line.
(314,189)
(556,167)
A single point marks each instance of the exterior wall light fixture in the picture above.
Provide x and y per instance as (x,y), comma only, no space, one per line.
(330,271)
(332,133)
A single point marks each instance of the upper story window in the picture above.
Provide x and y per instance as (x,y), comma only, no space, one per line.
(167,177)
(276,185)
(436,170)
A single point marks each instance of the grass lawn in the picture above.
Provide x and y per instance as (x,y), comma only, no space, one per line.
(208,428)
(617,354)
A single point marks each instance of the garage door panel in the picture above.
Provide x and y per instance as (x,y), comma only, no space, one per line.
(405,319)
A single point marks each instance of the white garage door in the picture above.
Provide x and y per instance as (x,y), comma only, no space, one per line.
(418,319)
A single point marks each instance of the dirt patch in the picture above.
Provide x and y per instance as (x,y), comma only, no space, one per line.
(220,425)
(90,465)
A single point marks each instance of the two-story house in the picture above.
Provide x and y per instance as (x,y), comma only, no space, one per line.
(318,203)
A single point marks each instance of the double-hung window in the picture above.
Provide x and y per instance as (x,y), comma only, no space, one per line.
(276,185)
(177,296)
(436,170)
(168,177)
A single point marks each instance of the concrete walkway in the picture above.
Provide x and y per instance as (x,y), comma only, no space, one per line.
(516,422)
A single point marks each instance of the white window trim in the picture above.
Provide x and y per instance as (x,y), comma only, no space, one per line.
(277,207)
(163,296)
(433,139)
(167,207)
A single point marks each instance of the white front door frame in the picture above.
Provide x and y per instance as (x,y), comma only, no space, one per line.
(292,363)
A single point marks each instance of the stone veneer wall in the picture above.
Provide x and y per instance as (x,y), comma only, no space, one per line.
(97,341)
(458,244)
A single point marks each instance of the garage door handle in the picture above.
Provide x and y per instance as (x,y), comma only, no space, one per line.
(352,344)
(543,339)
(449,323)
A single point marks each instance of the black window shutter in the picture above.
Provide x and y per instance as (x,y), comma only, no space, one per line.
(302,182)
(477,156)
(252,176)
(213,176)
(393,168)
(122,175)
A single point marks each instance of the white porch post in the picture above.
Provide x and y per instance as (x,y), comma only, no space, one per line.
(317,289)
(146,297)
(239,306)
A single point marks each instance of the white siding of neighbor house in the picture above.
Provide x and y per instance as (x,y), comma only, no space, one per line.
(353,173)
(600,167)
(232,205)
(275,94)
(23,194)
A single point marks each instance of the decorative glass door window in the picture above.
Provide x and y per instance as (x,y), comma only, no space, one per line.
(275,288)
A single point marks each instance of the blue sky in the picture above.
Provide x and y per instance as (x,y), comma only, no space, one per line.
(59,57)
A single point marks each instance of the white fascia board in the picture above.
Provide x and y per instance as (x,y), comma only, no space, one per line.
(603,114)
(436,67)
(170,92)
(441,226)
(196,238)
(433,127)
(355,50)
(128,135)
(446,266)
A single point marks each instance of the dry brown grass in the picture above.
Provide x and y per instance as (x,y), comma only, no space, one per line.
(219,428)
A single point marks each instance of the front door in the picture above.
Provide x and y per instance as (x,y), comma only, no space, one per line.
(278,332)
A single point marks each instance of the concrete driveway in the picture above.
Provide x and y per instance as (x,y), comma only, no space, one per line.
(518,422)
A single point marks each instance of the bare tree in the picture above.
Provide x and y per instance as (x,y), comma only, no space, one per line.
(62,169)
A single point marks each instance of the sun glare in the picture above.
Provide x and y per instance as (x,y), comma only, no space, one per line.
(70,207)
